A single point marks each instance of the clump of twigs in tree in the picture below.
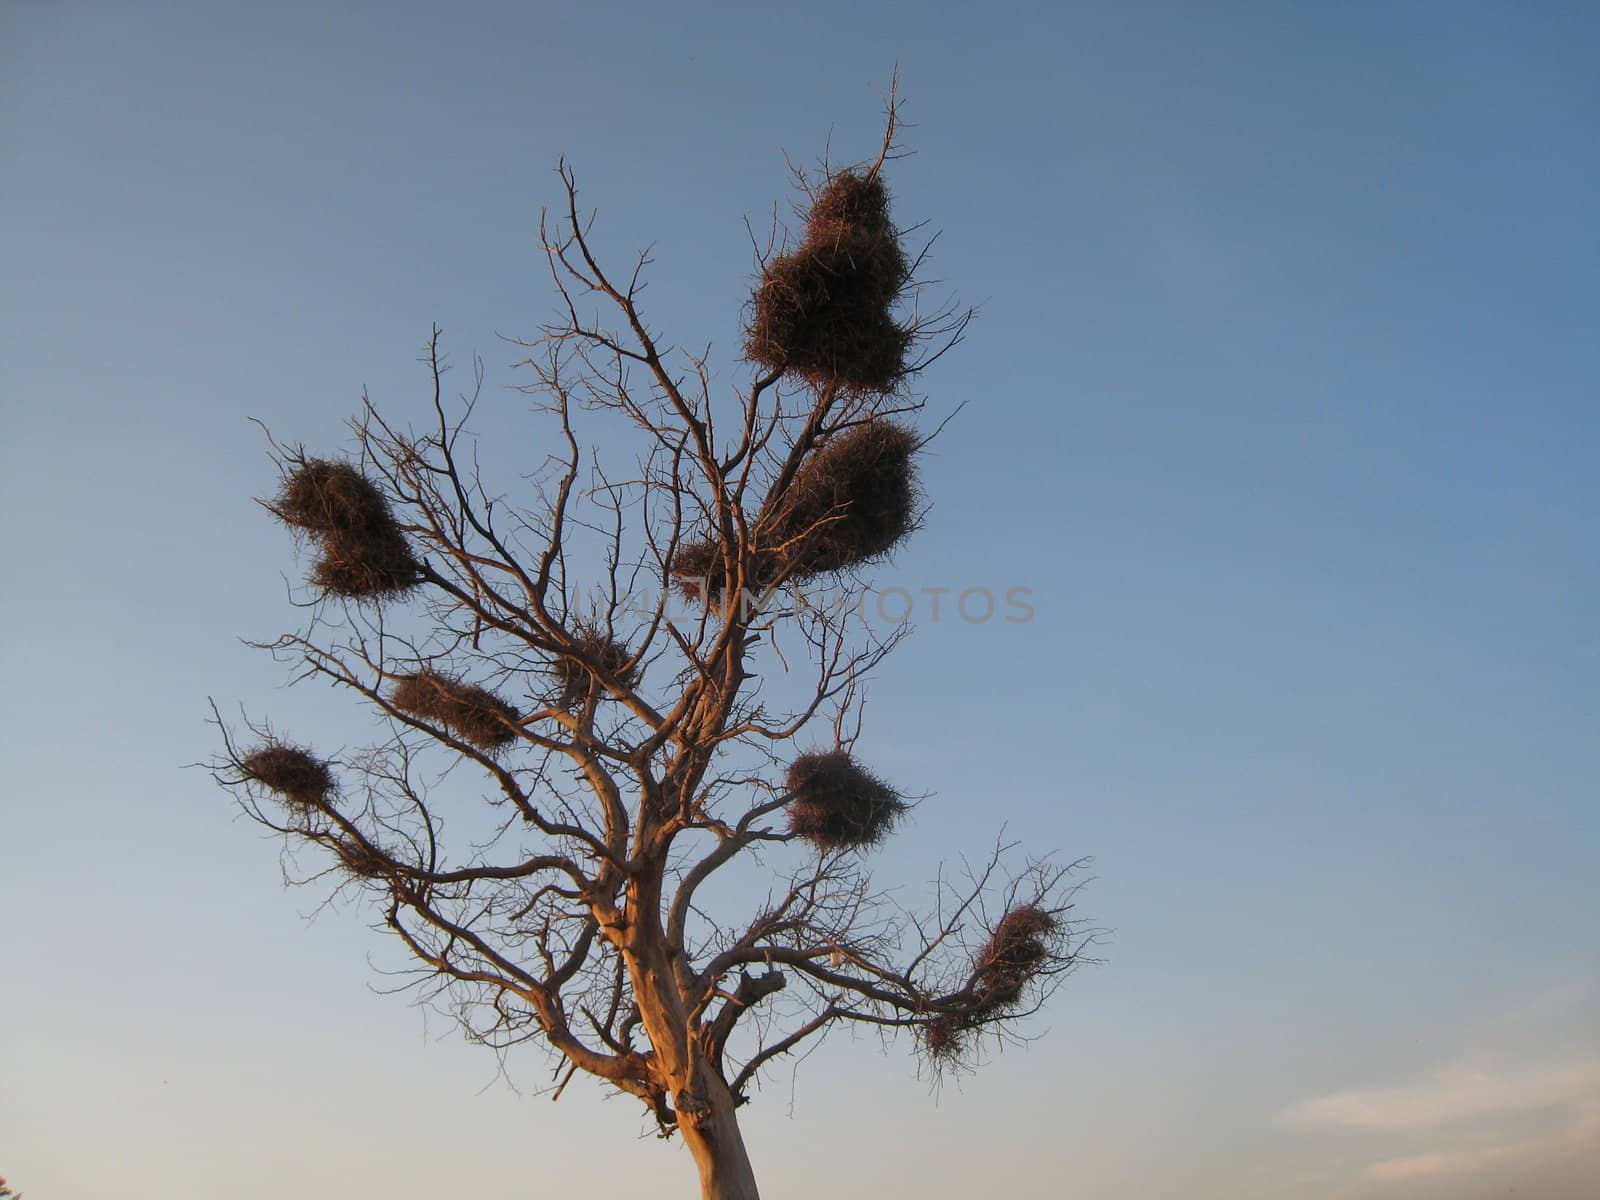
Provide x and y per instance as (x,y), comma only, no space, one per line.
(1017,949)
(321,496)
(853,500)
(942,1036)
(474,714)
(363,554)
(362,860)
(574,676)
(826,309)
(850,204)
(1013,953)
(369,566)
(297,775)
(838,805)
(699,572)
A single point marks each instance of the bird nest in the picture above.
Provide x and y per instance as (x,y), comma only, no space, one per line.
(362,860)
(321,496)
(375,564)
(850,204)
(595,650)
(363,553)
(851,501)
(838,805)
(295,774)
(473,714)
(698,571)
(1012,955)
(826,309)
(1018,947)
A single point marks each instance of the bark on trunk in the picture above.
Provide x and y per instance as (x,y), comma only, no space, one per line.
(710,1129)
(701,1100)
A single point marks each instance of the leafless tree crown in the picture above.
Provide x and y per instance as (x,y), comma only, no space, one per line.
(601,758)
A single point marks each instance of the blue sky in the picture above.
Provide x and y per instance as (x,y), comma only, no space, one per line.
(1281,400)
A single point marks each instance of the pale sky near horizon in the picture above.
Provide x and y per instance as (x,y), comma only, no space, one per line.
(1281,400)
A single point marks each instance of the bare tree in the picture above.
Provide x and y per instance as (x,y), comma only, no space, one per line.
(581,672)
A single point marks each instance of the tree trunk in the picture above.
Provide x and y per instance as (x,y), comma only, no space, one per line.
(701,1100)
(710,1129)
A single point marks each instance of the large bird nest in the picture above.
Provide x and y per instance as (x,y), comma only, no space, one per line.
(850,203)
(1012,955)
(473,714)
(825,310)
(321,496)
(296,774)
(852,501)
(363,554)
(375,564)
(838,805)
(1018,948)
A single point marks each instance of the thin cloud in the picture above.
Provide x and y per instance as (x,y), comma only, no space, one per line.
(1579,1136)
(1453,1096)
(1517,1098)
